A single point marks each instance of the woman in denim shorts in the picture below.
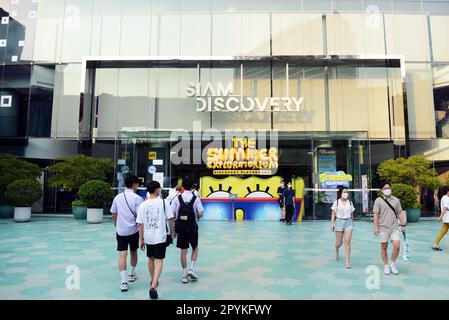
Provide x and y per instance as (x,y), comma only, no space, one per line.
(343,222)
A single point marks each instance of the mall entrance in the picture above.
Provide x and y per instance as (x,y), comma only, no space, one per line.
(316,163)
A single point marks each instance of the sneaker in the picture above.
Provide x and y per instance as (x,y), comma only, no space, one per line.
(124,286)
(191,275)
(437,248)
(393,268)
(153,293)
(387,270)
(184,278)
(132,277)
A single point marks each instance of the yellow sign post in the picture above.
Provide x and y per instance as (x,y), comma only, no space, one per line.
(152,155)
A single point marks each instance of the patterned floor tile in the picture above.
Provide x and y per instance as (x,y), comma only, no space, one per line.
(250,260)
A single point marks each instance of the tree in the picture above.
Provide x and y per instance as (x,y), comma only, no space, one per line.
(415,171)
(13,169)
(72,172)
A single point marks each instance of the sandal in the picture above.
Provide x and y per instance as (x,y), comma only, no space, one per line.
(437,248)
(348,266)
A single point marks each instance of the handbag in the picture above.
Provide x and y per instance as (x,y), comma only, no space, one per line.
(168,240)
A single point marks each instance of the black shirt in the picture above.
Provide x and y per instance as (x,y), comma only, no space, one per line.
(289,195)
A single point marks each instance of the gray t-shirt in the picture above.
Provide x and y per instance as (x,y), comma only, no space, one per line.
(387,218)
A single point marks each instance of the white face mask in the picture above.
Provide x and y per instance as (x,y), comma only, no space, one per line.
(345,195)
(289,185)
(387,192)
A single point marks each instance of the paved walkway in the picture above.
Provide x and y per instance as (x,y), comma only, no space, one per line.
(246,260)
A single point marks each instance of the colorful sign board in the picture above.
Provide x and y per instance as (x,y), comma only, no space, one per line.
(332,180)
(253,198)
(243,158)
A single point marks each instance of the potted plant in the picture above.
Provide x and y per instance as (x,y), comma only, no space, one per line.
(13,169)
(22,194)
(79,209)
(407,196)
(70,173)
(416,172)
(94,194)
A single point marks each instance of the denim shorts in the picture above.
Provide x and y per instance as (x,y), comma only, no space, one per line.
(342,225)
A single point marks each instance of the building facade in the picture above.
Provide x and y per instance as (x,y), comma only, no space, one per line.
(333,86)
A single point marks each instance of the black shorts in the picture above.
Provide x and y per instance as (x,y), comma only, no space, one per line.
(156,251)
(185,239)
(124,241)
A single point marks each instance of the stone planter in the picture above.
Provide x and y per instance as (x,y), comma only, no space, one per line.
(413,215)
(6,211)
(80,212)
(94,215)
(22,214)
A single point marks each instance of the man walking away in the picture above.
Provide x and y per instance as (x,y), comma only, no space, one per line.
(124,212)
(280,191)
(154,234)
(187,208)
(387,210)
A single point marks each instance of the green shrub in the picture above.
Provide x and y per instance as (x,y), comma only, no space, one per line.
(72,172)
(78,203)
(406,194)
(13,169)
(95,193)
(23,193)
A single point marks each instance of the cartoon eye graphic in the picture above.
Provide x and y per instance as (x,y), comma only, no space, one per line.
(258,193)
(220,193)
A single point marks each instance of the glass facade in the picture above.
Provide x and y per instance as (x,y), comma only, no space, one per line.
(86,71)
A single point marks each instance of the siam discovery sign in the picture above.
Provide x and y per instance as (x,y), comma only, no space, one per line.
(221,98)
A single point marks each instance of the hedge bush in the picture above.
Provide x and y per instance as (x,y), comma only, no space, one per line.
(23,192)
(95,193)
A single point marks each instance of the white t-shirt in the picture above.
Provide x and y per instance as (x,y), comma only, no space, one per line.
(126,219)
(344,209)
(445,204)
(154,220)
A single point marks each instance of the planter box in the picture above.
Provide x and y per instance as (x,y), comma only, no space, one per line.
(6,211)
(22,214)
(94,215)
(413,215)
(80,212)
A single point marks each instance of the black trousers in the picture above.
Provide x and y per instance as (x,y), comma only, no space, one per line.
(288,213)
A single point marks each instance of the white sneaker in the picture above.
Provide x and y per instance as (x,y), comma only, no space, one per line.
(132,277)
(387,270)
(184,278)
(124,286)
(393,268)
(191,275)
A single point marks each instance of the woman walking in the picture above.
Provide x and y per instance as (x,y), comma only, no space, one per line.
(342,223)
(444,217)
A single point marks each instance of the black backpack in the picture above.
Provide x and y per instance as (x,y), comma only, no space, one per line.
(186,215)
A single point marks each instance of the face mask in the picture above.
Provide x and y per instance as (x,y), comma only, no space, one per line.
(345,195)
(289,185)
(387,192)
